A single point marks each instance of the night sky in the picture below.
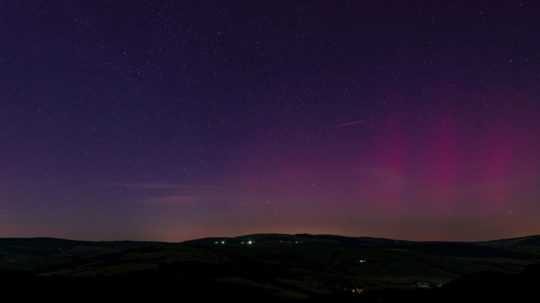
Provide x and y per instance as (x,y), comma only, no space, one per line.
(170,120)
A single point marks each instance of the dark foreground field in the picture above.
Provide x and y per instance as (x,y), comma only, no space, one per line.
(270,268)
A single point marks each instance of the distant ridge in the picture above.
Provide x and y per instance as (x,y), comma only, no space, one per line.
(263,262)
(514,240)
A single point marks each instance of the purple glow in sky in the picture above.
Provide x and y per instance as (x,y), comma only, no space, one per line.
(171,120)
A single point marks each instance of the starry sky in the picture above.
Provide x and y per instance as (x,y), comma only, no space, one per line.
(171,120)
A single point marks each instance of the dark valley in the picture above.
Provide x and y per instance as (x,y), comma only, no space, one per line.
(270,267)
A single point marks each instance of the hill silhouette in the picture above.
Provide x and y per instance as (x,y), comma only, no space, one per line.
(273,267)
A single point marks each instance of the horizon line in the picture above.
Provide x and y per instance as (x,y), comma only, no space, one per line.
(266,234)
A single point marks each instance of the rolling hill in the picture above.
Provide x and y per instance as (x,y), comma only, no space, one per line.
(281,266)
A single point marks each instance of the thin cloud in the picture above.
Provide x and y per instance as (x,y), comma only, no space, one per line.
(174,199)
(169,193)
(157,186)
(150,186)
(351,123)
